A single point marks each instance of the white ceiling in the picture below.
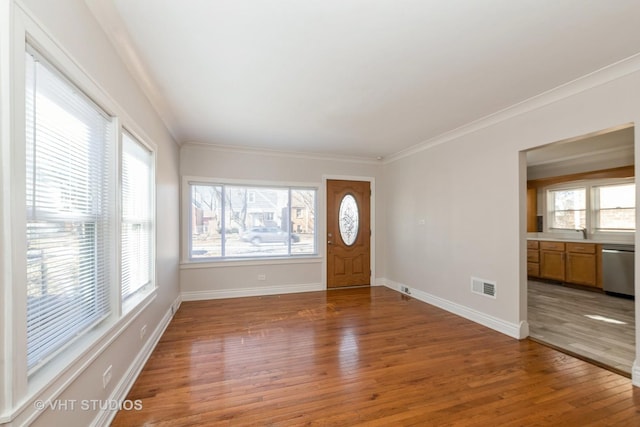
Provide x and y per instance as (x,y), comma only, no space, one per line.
(361,78)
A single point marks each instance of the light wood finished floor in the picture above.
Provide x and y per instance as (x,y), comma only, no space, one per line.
(592,325)
(367,356)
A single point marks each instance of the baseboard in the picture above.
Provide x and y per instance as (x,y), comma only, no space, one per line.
(514,330)
(123,387)
(250,292)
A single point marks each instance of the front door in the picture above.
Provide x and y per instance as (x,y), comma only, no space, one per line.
(348,233)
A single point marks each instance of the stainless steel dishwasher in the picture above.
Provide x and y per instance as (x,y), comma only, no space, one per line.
(618,272)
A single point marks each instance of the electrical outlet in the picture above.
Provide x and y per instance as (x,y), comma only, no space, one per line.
(106,377)
(262,277)
(143,331)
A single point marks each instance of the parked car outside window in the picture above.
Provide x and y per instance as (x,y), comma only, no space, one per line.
(258,235)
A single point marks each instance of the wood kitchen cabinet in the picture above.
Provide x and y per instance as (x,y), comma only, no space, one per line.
(533,259)
(552,260)
(581,266)
(570,262)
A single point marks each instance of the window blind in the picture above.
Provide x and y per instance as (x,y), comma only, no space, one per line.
(137,216)
(68,148)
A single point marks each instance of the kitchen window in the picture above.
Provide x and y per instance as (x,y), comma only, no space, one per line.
(603,206)
(568,208)
(615,207)
(235,221)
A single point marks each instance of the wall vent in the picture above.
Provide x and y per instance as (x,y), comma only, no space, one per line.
(483,287)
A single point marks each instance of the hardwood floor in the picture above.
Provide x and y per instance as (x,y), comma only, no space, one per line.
(592,325)
(367,356)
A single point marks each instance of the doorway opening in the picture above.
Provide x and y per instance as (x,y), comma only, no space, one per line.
(580,207)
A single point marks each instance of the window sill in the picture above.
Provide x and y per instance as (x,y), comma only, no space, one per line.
(138,298)
(311,259)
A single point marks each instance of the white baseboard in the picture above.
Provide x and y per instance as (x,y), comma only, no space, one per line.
(250,292)
(514,330)
(123,387)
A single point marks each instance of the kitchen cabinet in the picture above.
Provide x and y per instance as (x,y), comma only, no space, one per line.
(552,260)
(533,258)
(570,262)
(581,267)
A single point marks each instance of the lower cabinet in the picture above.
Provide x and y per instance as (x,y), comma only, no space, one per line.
(552,263)
(568,262)
(581,264)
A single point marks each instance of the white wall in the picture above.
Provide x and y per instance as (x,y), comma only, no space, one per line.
(469,187)
(73,28)
(240,278)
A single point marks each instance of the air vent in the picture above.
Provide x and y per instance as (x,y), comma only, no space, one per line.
(483,287)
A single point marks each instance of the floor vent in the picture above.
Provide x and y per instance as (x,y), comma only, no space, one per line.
(483,287)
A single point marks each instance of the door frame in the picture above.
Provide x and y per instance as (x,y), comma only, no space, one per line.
(322,235)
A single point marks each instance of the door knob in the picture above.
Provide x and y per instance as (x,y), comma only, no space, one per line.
(329,242)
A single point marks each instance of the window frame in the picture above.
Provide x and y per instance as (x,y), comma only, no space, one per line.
(132,300)
(77,346)
(550,211)
(186,227)
(64,367)
(595,197)
(592,206)
(99,257)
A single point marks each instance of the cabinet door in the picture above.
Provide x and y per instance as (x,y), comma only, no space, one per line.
(533,269)
(552,265)
(581,269)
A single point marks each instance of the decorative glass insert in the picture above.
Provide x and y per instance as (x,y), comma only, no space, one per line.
(348,219)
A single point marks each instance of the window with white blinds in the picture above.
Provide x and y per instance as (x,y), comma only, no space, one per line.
(69,146)
(137,216)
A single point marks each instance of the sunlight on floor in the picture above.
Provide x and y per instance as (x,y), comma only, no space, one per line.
(604,319)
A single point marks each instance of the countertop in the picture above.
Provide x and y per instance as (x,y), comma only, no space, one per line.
(601,242)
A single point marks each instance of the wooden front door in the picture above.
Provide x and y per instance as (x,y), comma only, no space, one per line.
(348,233)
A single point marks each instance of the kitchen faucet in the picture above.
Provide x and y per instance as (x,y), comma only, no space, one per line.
(584,232)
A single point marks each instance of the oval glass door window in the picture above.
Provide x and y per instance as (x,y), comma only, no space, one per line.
(348,219)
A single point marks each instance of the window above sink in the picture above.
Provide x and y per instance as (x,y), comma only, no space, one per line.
(599,207)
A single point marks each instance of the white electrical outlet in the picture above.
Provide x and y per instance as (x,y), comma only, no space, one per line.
(143,331)
(106,377)
(262,277)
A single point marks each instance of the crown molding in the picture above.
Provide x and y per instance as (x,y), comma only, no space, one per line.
(279,153)
(114,28)
(589,81)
